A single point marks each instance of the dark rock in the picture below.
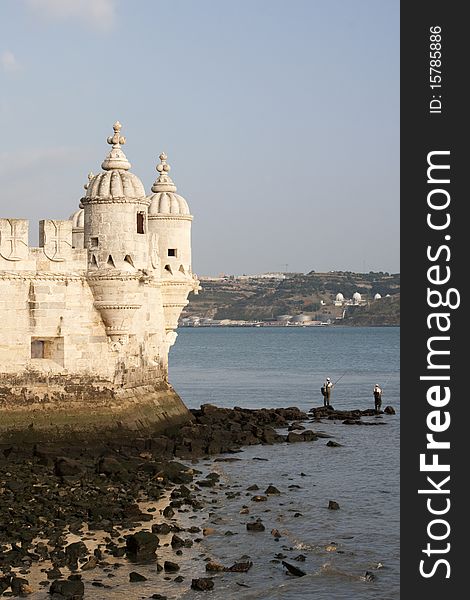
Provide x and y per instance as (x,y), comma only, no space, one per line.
(240,567)
(142,544)
(256,526)
(369,576)
(171,567)
(271,490)
(54,573)
(159,597)
(214,567)
(259,498)
(110,466)
(300,558)
(332,505)
(202,584)
(294,437)
(293,570)
(67,467)
(253,488)
(389,410)
(161,528)
(333,444)
(72,589)
(168,512)
(134,577)
(75,551)
(19,586)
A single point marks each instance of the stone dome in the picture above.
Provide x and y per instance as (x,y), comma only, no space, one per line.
(339,297)
(164,200)
(78,219)
(377,296)
(357,296)
(116,181)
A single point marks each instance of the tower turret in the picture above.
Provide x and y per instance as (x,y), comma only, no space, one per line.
(115,234)
(115,215)
(169,223)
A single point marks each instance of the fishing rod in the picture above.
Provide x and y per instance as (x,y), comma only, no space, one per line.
(340,378)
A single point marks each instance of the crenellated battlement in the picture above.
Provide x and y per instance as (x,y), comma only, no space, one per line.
(54,253)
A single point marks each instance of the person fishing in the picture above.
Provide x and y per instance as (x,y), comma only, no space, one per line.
(326,391)
(377,397)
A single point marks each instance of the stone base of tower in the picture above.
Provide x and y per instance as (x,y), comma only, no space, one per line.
(72,409)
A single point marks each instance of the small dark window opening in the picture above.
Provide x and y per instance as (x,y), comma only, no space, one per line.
(94,242)
(172,252)
(181,269)
(140,222)
(37,349)
(94,262)
(168,268)
(129,260)
(111,261)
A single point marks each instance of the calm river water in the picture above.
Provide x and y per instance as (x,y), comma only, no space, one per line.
(269,367)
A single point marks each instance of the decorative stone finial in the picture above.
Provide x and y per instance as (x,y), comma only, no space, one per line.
(164,182)
(116,158)
(116,140)
(90,177)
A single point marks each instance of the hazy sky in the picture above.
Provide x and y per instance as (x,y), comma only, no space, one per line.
(280,120)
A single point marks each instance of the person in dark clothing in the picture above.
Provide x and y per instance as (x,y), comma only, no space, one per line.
(377,397)
(326,391)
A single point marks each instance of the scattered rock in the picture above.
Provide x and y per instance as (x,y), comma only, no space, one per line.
(293,570)
(142,544)
(240,567)
(202,584)
(256,526)
(389,410)
(271,490)
(259,499)
(333,505)
(71,589)
(333,444)
(134,577)
(171,567)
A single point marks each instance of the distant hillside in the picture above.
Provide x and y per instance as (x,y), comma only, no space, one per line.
(313,294)
(385,311)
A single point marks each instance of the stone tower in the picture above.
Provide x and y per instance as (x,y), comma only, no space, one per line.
(89,316)
(169,223)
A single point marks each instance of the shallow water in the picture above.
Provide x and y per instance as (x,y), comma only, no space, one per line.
(256,367)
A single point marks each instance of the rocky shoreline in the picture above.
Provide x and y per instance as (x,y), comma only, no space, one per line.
(71,516)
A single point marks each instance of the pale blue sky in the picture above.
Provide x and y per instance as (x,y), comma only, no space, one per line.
(280,120)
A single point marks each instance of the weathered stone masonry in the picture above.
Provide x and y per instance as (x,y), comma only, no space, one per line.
(87,319)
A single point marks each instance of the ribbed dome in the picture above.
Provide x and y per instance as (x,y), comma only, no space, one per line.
(357,296)
(168,203)
(78,219)
(339,297)
(164,200)
(115,183)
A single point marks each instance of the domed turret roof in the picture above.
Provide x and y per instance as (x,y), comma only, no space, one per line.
(164,200)
(78,221)
(377,296)
(116,181)
(339,297)
(357,296)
